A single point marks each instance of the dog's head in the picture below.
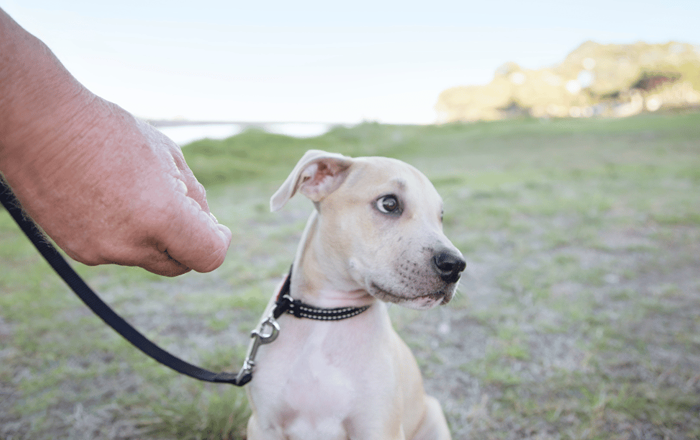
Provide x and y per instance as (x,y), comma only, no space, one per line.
(381,220)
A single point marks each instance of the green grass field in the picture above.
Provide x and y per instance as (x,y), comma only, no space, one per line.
(578,316)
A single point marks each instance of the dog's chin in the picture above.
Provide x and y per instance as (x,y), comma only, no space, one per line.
(419,302)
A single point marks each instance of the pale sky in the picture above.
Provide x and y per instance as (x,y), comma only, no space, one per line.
(323,61)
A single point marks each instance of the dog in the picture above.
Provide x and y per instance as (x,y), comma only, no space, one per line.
(375,237)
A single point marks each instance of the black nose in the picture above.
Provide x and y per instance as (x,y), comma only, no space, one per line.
(449,266)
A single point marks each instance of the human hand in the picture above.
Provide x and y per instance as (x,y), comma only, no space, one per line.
(122,193)
(106,187)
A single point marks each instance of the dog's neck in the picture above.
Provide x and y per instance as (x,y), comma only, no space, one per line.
(318,283)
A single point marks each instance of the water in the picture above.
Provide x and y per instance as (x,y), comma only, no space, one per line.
(184,134)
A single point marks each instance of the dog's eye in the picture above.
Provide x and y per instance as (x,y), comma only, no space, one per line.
(389,205)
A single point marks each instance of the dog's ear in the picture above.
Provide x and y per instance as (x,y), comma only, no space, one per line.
(316,175)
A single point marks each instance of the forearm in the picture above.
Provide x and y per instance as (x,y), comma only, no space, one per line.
(40,106)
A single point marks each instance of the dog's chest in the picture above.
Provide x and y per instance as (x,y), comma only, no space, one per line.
(318,377)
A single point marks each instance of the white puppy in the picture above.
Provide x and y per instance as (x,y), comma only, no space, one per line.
(374,237)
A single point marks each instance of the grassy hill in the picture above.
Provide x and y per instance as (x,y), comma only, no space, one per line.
(257,155)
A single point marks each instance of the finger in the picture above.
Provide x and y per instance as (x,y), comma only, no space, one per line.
(194,238)
(195,190)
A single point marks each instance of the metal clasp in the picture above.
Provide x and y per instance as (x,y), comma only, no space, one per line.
(267,332)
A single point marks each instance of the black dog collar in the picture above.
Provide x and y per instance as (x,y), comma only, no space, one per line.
(286,304)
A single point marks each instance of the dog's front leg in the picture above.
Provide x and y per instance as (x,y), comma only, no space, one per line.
(256,432)
(433,426)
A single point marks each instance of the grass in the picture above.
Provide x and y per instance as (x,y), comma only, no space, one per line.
(577,317)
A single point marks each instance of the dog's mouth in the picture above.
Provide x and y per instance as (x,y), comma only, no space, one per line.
(426,300)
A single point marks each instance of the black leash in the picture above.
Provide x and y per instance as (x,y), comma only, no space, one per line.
(284,304)
(90,298)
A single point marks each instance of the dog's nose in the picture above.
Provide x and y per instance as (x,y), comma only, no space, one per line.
(449,266)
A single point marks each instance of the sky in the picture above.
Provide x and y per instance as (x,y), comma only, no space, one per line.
(323,61)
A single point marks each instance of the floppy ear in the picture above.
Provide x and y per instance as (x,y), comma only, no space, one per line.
(316,175)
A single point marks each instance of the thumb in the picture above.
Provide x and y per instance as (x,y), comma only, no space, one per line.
(194,238)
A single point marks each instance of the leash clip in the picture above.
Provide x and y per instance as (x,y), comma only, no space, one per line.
(267,332)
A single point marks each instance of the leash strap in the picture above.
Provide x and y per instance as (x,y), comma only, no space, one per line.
(90,298)
(284,304)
